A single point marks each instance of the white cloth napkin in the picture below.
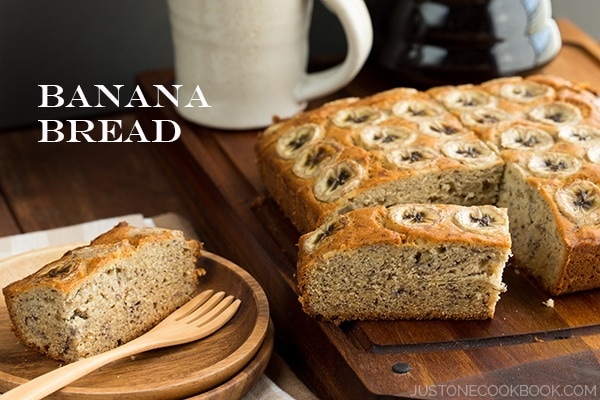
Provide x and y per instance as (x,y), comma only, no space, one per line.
(265,388)
(11,245)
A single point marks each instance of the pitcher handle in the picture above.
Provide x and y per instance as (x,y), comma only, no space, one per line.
(356,22)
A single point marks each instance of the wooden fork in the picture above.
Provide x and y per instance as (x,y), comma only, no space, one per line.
(200,317)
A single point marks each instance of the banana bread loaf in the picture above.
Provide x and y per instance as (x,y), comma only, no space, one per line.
(102,295)
(531,145)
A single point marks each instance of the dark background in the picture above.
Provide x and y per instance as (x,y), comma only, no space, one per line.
(74,42)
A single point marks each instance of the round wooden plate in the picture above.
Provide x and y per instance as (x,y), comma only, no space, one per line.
(242,382)
(169,373)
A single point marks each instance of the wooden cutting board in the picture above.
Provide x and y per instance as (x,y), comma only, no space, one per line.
(226,363)
(527,343)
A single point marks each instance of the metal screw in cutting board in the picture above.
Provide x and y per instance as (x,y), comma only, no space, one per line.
(401,368)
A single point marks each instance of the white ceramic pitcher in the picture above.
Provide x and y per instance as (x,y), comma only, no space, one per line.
(248,58)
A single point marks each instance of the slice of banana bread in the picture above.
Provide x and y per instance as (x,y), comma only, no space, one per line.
(100,296)
(412,261)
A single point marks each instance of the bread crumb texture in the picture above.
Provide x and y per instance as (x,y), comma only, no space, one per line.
(405,262)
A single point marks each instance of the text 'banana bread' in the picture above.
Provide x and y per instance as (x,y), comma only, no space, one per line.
(97,297)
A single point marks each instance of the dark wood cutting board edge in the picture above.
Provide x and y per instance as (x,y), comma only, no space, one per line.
(215,172)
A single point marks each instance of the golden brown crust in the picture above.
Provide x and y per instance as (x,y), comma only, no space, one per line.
(72,268)
(78,264)
(376,226)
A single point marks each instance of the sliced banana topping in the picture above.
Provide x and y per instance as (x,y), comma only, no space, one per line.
(462,99)
(412,157)
(485,116)
(522,137)
(525,92)
(314,157)
(481,219)
(412,215)
(441,128)
(583,135)
(469,151)
(319,235)
(556,113)
(553,165)
(385,137)
(337,180)
(580,202)
(416,110)
(355,117)
(292,142)
(593,154)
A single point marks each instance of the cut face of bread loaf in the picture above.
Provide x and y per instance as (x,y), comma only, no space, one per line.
(555,228)
(512,142)
(100,296)
(411,261)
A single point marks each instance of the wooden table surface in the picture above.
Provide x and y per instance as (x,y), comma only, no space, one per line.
(204,177)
